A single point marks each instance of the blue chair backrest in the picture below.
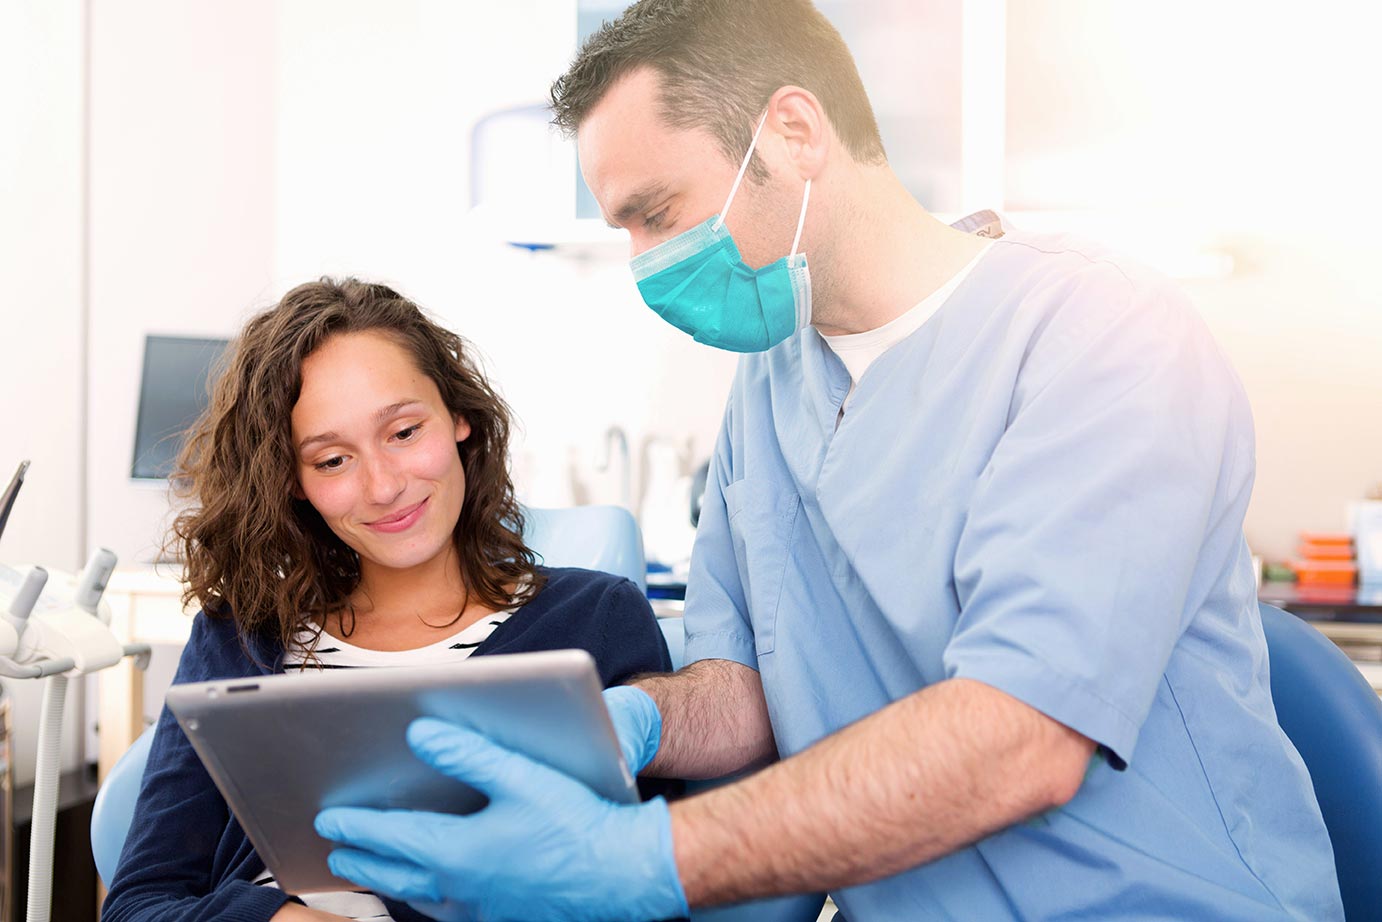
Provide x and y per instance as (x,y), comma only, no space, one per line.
(114,807)
(1334,719)
(602,538)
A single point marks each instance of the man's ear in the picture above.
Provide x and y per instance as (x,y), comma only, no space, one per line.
(797,115)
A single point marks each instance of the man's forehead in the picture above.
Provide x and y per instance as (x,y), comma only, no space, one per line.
(624,136)
(628,151)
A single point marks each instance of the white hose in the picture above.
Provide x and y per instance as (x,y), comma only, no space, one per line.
(46,800)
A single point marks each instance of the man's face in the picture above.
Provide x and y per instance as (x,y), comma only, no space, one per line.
(656,181)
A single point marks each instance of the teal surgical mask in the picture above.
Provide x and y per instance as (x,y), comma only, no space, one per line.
(698,283)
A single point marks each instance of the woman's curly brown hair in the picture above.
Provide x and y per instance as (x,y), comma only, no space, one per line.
(254,553)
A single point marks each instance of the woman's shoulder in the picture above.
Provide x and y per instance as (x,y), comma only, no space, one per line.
(567,588)
(604,614)
(216,649)
(576,579)
(583,599)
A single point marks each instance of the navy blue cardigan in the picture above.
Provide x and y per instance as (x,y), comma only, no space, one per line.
(186,858)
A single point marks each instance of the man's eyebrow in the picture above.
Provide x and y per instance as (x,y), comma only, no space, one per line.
(638,201)
(380,415)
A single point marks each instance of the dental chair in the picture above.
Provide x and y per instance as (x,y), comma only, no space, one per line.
(603,538)
(1334,719)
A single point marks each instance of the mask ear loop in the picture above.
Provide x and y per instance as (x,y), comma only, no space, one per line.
(743,167)
(801,222)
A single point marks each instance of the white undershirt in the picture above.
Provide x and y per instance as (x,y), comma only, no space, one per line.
(859,350)
(331,652)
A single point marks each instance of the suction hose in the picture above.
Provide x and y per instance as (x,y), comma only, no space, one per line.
(46,800)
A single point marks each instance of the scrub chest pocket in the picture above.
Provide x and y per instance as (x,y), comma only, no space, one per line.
(762,520)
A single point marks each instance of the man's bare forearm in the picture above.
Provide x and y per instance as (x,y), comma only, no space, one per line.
(928,774)
(714,721)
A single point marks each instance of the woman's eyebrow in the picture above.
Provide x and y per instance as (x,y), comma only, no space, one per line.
(392,409)
(380,415)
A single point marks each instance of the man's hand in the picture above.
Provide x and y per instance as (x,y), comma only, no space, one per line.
(545,847)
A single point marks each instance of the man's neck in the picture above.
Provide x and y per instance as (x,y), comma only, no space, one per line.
(887,255)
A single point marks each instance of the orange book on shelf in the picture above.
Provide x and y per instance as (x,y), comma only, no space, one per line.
(1325,572)
(1312,551)
(1326,537)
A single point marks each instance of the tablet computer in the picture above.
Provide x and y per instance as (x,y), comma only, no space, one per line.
(281,748)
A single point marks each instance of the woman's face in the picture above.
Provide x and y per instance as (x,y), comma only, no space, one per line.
(376,451)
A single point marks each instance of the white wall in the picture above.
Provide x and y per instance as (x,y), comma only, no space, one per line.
(1301,320)
(182,182)
(41,258)
(42,80)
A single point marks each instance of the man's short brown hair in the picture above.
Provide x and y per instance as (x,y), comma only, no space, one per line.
(720,62)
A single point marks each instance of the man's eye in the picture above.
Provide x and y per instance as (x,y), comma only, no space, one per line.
(655,221)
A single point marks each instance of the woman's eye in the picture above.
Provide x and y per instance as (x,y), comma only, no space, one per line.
(404,435)
(330,464)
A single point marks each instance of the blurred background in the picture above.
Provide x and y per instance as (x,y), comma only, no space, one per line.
(169,167)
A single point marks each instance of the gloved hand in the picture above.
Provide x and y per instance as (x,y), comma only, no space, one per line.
(637,723)
(545,847)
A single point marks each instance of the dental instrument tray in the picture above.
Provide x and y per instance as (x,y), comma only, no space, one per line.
(281,748)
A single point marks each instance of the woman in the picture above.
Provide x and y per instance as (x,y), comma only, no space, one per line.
(350,506)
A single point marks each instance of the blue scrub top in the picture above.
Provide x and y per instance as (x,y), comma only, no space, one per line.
(1042,489)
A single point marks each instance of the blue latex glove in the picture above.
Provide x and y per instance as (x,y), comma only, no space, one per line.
(637,722)
(545,847)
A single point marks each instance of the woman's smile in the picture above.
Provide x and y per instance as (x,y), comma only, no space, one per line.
(401,520)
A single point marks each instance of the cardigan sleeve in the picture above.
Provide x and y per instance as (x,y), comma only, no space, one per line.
(625,635)
(605,615)
(177,846)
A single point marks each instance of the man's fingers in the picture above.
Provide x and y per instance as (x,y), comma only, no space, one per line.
(475,759)
(399,880)
(637,724)
(396,834)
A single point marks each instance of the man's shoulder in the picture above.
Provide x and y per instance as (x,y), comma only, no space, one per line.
(1065,291)
(1038,263)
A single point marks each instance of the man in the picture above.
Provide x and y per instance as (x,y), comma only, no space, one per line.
(970,571)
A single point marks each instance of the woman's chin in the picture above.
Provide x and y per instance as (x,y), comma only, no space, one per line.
(415,554)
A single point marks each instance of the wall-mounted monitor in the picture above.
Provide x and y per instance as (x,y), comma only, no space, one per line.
(172,394)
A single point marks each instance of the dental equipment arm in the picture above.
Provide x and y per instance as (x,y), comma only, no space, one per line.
(11,491)
(54,638)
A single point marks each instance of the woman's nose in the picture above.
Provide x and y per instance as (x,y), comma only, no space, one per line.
(383,483)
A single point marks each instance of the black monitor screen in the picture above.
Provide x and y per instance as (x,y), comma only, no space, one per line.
(171,397)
